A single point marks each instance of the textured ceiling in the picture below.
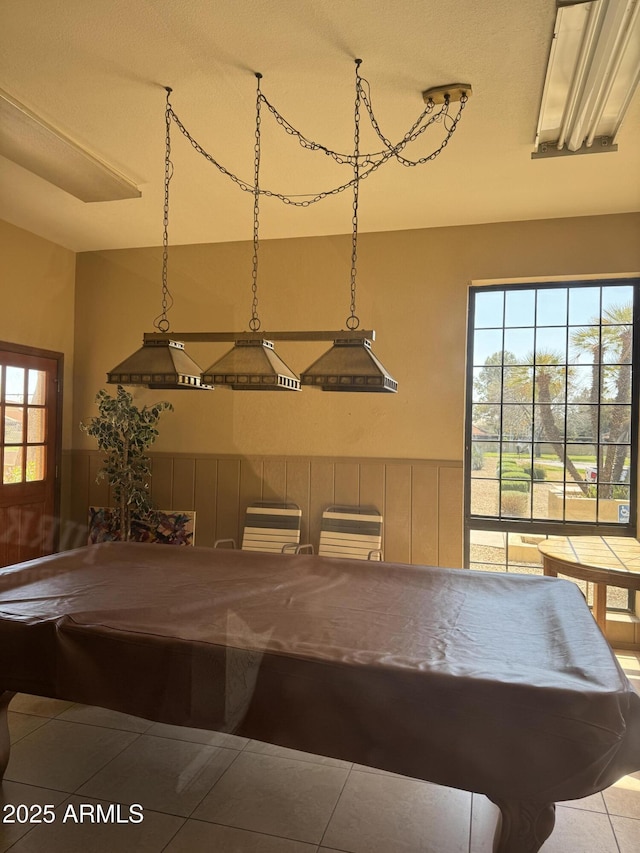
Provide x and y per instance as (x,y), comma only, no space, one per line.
(96,70)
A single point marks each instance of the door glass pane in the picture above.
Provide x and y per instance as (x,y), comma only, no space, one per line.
(35,468)
(14,387)
(13,416)
(37,387)
(13,465)
(35,425)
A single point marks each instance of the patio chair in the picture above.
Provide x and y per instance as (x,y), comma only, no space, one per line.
(269,526)
(351,531)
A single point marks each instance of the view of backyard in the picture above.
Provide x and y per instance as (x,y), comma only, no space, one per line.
(550,410)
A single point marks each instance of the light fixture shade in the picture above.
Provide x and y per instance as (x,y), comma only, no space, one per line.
(592,74)
(159,364)
(252,365)
(349,365)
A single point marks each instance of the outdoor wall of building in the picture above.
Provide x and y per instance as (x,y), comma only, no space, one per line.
(412,289)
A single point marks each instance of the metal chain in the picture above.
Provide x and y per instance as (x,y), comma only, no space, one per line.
(309,198)
(346,159)
(353,321)
(416,129)
(372,162)
(442,115)
(254,322)
(161,322)
(363,166)
(304,142)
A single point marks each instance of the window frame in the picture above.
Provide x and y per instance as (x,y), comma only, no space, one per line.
(545,526)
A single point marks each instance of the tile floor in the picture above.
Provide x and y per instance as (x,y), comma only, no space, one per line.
(204,791)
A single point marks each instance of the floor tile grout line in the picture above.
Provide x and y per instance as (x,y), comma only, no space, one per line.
(301,760)
(337,802)
(34,827)
(471,820)
(173,837)
(13,740)
(220,777)
(107,763)
(613,832)
(257,832)
(184,819)
(94,725)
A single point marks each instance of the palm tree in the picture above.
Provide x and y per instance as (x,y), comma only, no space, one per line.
(614,343)
(550,384)
(589,341)
(619,331)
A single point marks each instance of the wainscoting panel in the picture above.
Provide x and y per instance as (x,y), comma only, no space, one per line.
(420,499)
(205,491)
(424,521)
(450,518)
(397,513)
(184,483)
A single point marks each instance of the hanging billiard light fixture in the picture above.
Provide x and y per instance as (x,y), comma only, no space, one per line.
(350,365)
(252,364)
(161,363)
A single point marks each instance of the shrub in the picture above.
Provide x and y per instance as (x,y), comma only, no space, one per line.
(514,504)
(515,486)
(515,481)
(477,458)
(507,465)
(539,472)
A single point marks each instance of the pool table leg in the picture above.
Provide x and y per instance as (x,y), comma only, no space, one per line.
(523,825)
(5,743)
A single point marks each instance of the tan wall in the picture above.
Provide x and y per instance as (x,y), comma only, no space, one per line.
(37,283)
(412,288)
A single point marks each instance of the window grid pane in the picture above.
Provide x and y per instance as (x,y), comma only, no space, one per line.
(551,437)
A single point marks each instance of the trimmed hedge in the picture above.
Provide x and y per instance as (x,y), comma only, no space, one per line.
(515,485)
(507,465)
(539,472)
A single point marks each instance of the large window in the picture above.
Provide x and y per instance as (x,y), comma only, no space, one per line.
(551,416)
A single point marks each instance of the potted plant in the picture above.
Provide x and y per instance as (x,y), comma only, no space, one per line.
(124,432)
